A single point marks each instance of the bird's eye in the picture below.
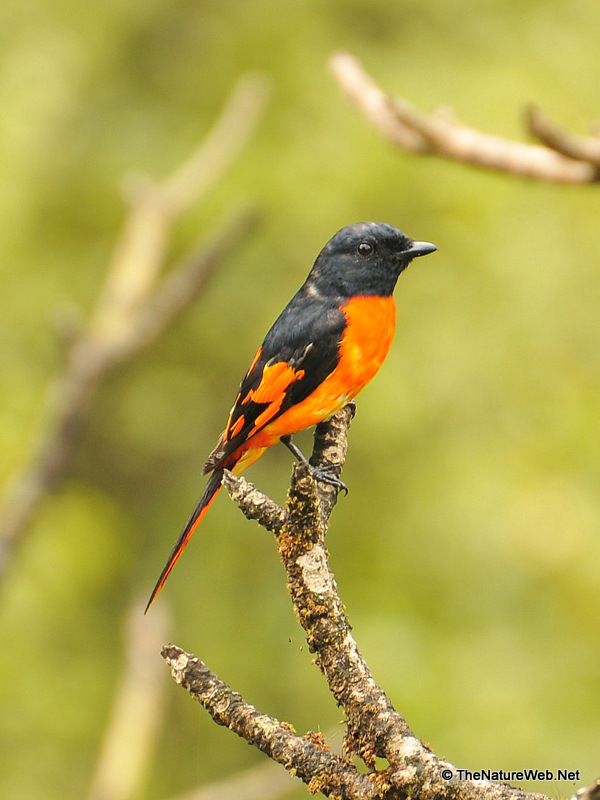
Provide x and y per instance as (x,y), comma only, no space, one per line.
(364,249)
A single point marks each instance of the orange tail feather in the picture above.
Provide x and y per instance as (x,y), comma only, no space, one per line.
(202,506)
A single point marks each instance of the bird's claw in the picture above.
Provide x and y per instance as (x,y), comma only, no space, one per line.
(326,474)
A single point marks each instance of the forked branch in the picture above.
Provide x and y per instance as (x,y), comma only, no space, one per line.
(563,157)
(374,728)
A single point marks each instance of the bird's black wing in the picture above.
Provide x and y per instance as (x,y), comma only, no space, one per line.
(298,353)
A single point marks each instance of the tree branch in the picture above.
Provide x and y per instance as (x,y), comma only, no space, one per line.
(375,728)
(134,307)
(580,148)
(566,159)
(307,756)
(255,505)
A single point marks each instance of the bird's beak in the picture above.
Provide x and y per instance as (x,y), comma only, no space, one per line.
(421,249)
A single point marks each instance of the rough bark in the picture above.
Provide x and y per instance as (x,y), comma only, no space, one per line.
(375,729)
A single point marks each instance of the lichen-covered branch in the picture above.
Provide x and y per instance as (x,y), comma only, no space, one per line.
(307,756)
(375,728)
(255,505)
(562,157)
(134,305)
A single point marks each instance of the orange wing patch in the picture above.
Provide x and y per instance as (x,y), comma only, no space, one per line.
(276,378)
(254,360)
(236,427)
(271,391)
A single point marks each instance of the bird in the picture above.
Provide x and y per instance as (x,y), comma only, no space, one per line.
(325,346)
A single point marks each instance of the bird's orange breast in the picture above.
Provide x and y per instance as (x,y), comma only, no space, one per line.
(370,325)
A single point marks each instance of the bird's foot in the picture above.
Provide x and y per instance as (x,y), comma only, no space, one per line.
(326,474)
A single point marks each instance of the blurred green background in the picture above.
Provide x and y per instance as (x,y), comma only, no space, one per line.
(467,551)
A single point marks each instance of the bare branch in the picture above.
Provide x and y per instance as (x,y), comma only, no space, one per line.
(254,504)
(375,728)
(134,723)
(580,148)
(155,207)
(133,308)
(329,452)
(307,756)
(375,104)
(222,145)
(441,135)
(184,284)
(331,443)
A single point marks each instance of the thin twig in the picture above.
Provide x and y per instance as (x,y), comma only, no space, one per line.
(185,283)
(133,307)
(441,135)
(580,148)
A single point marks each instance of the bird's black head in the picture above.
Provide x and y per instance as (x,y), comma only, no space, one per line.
(364,259)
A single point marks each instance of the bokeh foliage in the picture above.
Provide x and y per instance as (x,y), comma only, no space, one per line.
(467,551)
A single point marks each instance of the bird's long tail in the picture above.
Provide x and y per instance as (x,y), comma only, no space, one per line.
(202,506)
